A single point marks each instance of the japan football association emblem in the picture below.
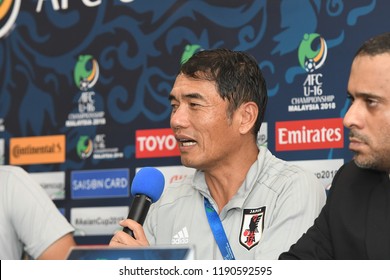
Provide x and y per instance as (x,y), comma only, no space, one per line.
(252,227)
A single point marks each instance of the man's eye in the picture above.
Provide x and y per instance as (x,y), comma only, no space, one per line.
(371,102)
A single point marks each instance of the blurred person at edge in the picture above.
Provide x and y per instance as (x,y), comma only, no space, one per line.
(355,222)
(30,223)
(265,204)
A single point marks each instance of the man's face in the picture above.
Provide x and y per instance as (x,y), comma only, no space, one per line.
(368,118)
(205,135)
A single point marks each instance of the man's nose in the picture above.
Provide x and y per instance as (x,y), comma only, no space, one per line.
(179,118)
(353,116)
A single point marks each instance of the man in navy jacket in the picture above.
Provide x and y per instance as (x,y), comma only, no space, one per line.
(355,222)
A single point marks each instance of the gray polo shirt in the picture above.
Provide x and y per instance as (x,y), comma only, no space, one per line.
(29,220)
(280,199)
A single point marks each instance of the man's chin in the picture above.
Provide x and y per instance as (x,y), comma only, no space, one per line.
(359,160)
(364,163)
(187,162)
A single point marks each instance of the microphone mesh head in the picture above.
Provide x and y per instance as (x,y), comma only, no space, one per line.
(148,181)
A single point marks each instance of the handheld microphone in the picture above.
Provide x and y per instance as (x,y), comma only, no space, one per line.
(147,187)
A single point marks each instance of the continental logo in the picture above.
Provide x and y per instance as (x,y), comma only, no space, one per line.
(9,10)
(37,150)
(309,134)
(153,143)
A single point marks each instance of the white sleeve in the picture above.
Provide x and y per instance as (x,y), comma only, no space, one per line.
(35,218)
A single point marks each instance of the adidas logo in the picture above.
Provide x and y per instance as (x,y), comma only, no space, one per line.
(182,237)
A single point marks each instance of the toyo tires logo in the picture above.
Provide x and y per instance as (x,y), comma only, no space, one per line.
(9,10)
(311,59)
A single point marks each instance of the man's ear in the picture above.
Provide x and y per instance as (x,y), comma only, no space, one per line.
(248,113)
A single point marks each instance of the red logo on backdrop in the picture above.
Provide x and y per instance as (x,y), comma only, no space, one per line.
(153,143)
(309,134)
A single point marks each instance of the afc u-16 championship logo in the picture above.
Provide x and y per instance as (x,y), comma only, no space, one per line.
(189,51)
(84,147)
(86,77)
(97,148)
(252,227)
(9,10)
(312,54)
(310,59)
